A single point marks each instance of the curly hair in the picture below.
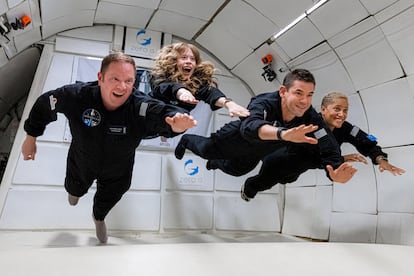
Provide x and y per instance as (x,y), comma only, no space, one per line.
(165,68)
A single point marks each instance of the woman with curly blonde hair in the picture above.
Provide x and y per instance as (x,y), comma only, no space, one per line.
(181,78)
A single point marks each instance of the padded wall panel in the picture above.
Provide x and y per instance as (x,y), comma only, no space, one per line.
(136,211)
(353,227)
(396,193)
(400,33)
(146,173)
(82,46)
(369,59)
(307,211)
(395,228)
(359,194)
(48,168)
(39,208)
(187,211)
(260,214)
(190,173)
(396,98)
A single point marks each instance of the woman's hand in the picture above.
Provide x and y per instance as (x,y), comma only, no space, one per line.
(236,110)
(186,96)
(355,157)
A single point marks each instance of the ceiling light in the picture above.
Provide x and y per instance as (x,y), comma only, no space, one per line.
(297,20)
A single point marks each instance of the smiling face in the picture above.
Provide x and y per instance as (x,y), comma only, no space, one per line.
(296,99)
(335,112)
(116,84)
(186,63)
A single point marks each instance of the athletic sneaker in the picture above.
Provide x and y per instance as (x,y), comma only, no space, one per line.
(211,165)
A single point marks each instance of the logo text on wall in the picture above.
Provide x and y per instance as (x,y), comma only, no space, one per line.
(192,171)
(142,43)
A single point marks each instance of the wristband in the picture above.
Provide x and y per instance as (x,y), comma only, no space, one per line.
(279,133)
(382,157)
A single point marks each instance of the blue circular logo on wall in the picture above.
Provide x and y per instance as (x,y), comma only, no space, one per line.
(190,168)
(142,38)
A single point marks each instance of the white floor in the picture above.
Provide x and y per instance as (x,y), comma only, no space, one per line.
(77,253)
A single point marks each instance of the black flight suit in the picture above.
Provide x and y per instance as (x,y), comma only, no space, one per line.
(236,148)
(103,142)
(291,165)
(167,92)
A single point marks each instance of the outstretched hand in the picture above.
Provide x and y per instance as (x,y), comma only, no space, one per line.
(385,166)
(236,110)
(181,122)
(342,174)
(186,96)
(298,134)
(355,157)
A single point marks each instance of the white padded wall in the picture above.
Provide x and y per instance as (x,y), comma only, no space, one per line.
(307,211)
(400,34)
(190,211)
(395,228)
(395,194)
(37,208)
(359,194)
(146,173)
(260,214)
(48,168)
(353,227)
(381,101)
(136,211)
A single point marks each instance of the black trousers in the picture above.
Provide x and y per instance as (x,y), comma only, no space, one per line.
(281,166)
(227,150)
(110,185)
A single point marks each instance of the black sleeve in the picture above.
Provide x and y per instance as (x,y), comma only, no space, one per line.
(155,112)
(261,113)
(209,95)
(364,143)
(165,91)
(329,149)
(46,107)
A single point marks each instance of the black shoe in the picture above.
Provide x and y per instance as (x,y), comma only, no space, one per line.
(243,195)
(180,149)
(212,165)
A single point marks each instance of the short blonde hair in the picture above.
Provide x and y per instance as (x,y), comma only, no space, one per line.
(331,97)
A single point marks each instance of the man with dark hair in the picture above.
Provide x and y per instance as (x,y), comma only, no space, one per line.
(107,122)
(281,119)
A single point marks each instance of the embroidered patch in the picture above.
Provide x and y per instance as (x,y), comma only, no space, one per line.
(91,117)
(143,109)
(354,131)
(52,102)
(320,133)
